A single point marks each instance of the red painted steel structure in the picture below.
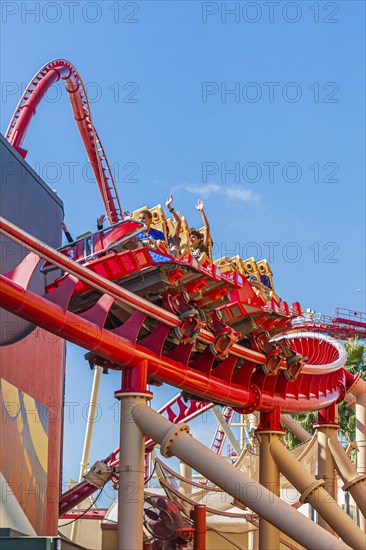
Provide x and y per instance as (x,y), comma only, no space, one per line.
(247,378)
(49,74)
(219,435)
(346,323)
(245,388)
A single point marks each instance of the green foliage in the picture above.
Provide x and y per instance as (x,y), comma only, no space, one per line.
(356,360)
(355,364)
(306,420)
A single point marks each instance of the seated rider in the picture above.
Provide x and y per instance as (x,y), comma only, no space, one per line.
(145,216)
(198,241)
(100,222)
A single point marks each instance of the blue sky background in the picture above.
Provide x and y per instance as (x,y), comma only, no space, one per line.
(146,81)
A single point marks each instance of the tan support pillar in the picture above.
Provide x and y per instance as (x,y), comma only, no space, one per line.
(327,427)
(253,542)
(269,430)
(354,483)
(131,469)
(296,428)
(313,492)
(359,390)
(174,439)
(185,471)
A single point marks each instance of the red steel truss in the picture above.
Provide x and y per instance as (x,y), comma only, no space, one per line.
(346,323)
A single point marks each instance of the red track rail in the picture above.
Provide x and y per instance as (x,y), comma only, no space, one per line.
(219,435)
(50,73)
(245,388)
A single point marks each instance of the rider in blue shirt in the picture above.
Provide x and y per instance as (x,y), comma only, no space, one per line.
(145,216)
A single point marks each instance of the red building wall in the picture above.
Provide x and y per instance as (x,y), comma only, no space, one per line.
(32,362)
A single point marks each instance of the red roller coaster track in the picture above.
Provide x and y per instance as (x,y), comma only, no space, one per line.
(245,388)
(256,374)
(50,73)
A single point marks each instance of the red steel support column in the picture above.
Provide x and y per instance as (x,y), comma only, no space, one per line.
(199,518)
(268,431)
(131,468)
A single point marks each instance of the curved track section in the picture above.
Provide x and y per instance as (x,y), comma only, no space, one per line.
(324,353)
(49,74)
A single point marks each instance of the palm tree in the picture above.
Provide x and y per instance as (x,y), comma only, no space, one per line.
(355,364)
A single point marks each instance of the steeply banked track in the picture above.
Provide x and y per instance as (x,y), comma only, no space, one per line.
(49,74)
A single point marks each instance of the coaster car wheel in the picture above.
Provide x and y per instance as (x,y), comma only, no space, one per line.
(275,362)
(190,327)
(294,366)
(225,339)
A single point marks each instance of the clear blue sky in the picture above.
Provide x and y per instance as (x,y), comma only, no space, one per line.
(293,131)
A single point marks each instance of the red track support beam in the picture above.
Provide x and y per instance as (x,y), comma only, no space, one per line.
(199,519)
(327,416)
(135,380)
(75,329)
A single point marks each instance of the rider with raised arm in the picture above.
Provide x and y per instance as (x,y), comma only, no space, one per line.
(198,241)
(174,240)
(100,222)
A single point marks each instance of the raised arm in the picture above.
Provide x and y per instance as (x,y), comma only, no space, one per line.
(66,231)
(175,215)
(100,222)
(200,208)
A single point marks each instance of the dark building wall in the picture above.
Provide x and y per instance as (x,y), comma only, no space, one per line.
(28,202)
(32,360)
(26,199)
